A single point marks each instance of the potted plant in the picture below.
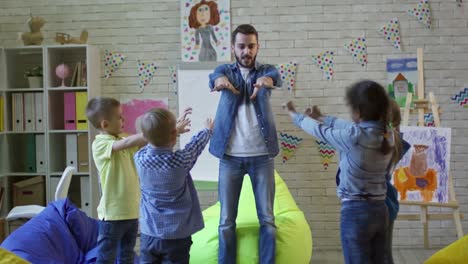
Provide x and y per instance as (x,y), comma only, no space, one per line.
(34,76)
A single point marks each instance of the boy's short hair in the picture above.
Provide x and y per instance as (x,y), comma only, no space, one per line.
(157,126)
(99,109)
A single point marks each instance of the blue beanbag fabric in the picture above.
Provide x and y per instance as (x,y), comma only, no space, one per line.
(61,233)
(47,238)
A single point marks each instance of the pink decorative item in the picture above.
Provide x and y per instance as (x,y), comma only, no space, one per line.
(62,71)
(134,108)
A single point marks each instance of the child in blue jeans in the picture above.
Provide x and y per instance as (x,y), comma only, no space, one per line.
(401,147)
(366,148)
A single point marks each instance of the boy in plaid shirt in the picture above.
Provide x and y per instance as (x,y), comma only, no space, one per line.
(169,209)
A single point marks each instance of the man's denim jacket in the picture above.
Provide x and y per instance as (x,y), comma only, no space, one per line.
(229,104)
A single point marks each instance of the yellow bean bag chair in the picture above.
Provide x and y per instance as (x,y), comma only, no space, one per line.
(455,253)
(7,257)
(293,235)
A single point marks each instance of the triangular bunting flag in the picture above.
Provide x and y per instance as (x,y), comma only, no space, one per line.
(462,98)
(288,74)
(422,12)
(146,73)
(173,76)
(358,49)
(325,62)
(391,32)
(429,120)
(289,145)
(112,62)
(326,152)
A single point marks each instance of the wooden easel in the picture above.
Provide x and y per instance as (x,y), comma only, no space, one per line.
(422,106)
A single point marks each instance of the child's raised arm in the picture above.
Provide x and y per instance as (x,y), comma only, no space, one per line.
(136,140)
(183,123)
(197,144)
(330,121)
(341,139)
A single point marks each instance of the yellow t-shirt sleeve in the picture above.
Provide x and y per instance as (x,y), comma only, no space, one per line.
(102,149)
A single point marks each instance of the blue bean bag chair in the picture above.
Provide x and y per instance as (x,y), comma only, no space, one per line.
(61,233)
(293,235)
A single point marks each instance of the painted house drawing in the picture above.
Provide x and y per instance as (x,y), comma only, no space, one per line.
(402,78)
(400,86)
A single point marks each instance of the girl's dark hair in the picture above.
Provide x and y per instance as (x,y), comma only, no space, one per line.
(370,100)
(395,120)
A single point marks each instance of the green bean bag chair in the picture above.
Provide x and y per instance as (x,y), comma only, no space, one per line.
(455,253)
(293,236)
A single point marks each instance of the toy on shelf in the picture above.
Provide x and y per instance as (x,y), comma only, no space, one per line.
(62,71)
(64,38)
(34,37)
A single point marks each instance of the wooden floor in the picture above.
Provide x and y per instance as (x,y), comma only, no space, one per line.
(400,256)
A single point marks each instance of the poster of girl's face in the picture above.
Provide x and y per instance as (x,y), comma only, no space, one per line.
(205,30)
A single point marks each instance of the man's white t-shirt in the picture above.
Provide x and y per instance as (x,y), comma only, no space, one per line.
(246,138)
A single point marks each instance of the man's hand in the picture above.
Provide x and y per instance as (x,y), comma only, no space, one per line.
(262,82)
(183,124)
(224,83)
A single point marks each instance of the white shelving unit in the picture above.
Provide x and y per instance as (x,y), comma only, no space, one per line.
(15,147)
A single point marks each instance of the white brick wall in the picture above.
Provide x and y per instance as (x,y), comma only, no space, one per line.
(289,30)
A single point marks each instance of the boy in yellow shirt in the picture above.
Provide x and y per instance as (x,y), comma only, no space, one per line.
(113,155)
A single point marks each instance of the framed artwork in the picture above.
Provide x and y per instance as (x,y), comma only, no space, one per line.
(205,30)
(423,173)
(402,78)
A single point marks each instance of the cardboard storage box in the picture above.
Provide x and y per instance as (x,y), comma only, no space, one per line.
(30,191)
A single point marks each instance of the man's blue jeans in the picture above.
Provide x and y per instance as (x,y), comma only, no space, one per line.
(364,231)
(231,175)
(117,238)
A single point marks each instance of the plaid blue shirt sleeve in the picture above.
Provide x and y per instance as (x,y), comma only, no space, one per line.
(190,153)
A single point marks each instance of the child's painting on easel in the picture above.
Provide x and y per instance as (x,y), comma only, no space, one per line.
(402,78)
(423,173)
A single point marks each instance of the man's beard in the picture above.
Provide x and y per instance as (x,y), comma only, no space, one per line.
(239,61)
